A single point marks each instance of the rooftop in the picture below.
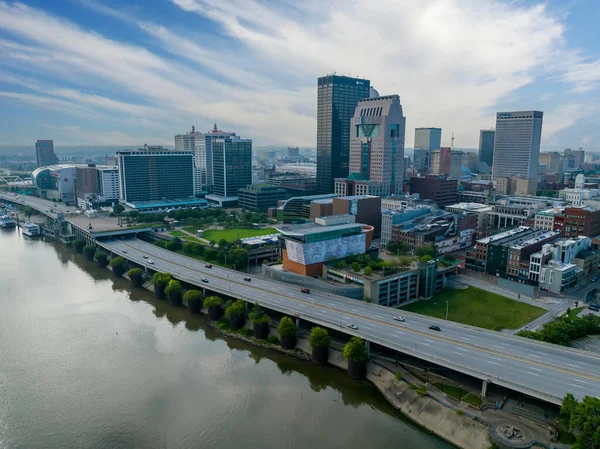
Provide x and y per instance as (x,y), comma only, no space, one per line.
(537,236)
(502,235)
(314,228)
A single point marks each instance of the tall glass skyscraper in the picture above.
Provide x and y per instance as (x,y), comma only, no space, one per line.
(426,141)
(486,146)
(232,165)
(44,153)
(517,144)
(337,97)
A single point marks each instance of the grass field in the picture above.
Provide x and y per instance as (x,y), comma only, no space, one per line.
(232,234)
(467,397)
(478,308)
(184,236)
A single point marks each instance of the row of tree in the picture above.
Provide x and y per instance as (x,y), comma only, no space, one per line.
(582,418)
(226,253)
(564,329)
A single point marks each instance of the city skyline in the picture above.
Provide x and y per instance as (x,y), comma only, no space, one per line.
(94,73)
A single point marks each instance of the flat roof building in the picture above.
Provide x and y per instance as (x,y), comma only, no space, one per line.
(260,197)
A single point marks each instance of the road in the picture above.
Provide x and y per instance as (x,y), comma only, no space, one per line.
(48,208)
(541,370)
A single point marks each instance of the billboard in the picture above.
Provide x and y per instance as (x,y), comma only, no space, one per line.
(309,253)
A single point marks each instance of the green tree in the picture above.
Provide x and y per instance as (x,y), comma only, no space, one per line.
(101,257)
(368,271)
(213,301)
(89,251)
(160,279)
(175,244)
(235,308)
(160,243)
(136,276)
(355,350)
(223,243)
(198,249)
(584,418)
(118,265)
(567,411)
(211,253)
(118,208)
(425,258)
(287,327)
(78,245)
(258,315)
(404,262)
(319,338)
(426,250)
(189,247)
(355,267)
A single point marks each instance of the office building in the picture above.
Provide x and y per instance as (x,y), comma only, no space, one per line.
(437,188)
(337,97)
(188,142)
(232,169)
(96,186)
(260,197)
(552,161)
(149,177)
(557,277)
(376,149)
(299,209)
(455,170)
(428,139)
(486,146)
(307,246)
(517,144)
(405,217)
(578,221)
(44,153)
(574,158)
(366,209)
(293,152)
(470,160)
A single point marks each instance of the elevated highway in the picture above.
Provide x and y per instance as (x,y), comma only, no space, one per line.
(45,207)
(540,370)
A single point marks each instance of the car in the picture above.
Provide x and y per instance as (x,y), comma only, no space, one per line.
(150,261)
(208,265)
(125,251)
(594,308)
(305,290)
(435,328)
(144,256)
(247,279)
(399,318)
(595,278)
(352,326)
(204,280)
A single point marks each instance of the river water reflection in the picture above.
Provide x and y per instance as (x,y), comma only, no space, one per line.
(86,362)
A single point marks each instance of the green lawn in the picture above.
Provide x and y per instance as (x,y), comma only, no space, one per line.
(478,308)
(184,236)
(232,234)
(467,397)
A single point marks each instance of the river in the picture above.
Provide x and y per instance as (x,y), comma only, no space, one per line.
(86,362)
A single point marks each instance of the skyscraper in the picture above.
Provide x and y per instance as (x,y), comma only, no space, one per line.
(44,153)
(376,148)
(486,146)
(232,165)
(517,144)
(337,97)
(426,141)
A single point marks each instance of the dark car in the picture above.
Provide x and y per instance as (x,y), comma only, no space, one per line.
(595,308)
(208,266)
(247,279)
(204,280)
(435,328)
(305,290)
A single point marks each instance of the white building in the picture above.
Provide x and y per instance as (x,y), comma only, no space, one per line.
(517,144)
(545,219)
(108,183)
(557,276)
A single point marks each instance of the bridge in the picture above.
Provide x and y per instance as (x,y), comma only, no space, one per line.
(540,370)
(48,208)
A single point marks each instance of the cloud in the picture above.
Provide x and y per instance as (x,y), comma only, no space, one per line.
(451,61)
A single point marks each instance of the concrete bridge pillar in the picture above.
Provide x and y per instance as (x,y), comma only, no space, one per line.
(368,347)
(297,321)
(484,386)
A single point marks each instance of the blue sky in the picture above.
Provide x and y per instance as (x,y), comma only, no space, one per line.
(107,72)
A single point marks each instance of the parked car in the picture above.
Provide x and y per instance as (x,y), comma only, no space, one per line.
(247,279)
(435,328)
(208,265)
(352,326)
(305,290)
(399,318)
(204,280)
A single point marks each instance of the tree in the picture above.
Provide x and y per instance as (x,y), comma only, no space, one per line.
(175,244)
(78,245)
(136,276)
(188,247)
(134,214)
(404,262)
(211,253)
(425,258)
(368,271)
(118,265)
(426,250)
(567,411)
(193,299)
(319,338)
(258,315)
(235,308)
(355,350)
(160,243)
(584,417)
(355,267)
(223,243)
(118,208)
(238,257)
(173,291)
(287,327)
(101,257)
(198,249)
(213,301)
(89,251)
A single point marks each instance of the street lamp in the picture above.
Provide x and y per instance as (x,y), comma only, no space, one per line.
(229,280)
(446,310)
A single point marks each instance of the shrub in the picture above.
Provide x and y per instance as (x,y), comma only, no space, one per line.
(160,243)
(118,208)
(213,301)
(355,350)
(173,287)
(102,258)
(319,338)
(368,271)
(235,308)
(192,296)
(160,279)
(78,245)
(425,258)
(398,375)
(258,315)
(273,340)
(355,267)
(459,412)
(287,327)
(118,265)
(188,247)
(422,391)
(245,332)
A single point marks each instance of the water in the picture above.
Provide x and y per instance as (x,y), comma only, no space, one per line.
(85,362)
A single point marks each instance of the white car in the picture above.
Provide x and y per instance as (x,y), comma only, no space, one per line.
(150,261)
(125,251)
(399,318)
(352,326)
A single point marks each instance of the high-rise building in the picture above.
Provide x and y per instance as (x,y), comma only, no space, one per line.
(376,148)
(552,161)
(232,165)
(428,138)
(575,158)
(486,146)
(470,160)
(438,188)
(337,97)
(96,185)
(44,153)
(517,144)
(456,158)
(153,176)
(201,146)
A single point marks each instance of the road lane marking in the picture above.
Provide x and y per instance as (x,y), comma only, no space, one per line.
(497,358)
(536,356)
(337,311)
(536,369)
(459,353)
(461,349)
(430,341)
(499,347)
(493,363)
(465,338)
(533,374)
(577,386)
(424,344)
(581,381)
(398,332)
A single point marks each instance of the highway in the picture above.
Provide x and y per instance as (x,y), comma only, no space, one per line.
(540,370)
(48,208)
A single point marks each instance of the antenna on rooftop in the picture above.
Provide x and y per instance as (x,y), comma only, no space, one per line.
(452,139)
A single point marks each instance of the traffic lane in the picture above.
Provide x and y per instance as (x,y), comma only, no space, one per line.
(369,330)
(347,305)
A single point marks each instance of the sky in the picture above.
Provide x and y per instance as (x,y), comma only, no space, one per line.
(108,72)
